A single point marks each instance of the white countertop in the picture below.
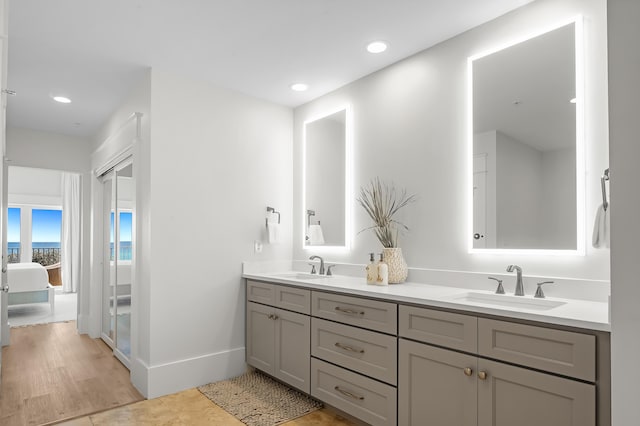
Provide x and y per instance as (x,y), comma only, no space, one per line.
(573,313)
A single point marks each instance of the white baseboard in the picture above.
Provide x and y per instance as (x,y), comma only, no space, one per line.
(140,376)
(165,379)
(83,324)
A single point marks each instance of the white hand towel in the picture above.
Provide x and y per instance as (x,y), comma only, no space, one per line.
(607,227)
(316,237)
(601,228)
(273,232)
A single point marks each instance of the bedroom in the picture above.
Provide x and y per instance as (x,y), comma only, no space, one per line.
(37,248)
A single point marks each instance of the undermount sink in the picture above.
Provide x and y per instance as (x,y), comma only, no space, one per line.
(302,276)
(504,300)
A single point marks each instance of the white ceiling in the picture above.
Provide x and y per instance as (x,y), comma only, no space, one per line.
(94,51)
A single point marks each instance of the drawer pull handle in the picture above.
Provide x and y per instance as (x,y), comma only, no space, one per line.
(482,375)
(273,317)
(349,394)
(349,348)
(348,311)
(468,372)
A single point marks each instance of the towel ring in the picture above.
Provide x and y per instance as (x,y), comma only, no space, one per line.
(271,210)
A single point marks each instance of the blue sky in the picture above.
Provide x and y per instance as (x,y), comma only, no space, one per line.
(47,225)
(125,226)
(13,229)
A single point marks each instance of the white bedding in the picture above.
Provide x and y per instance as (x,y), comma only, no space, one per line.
(26,277)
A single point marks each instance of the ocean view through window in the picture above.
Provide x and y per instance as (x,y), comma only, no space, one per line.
(42,244)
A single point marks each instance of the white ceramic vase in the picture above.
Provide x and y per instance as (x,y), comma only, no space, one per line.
(398,269)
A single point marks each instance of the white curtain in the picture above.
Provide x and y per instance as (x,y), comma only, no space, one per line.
(70,246)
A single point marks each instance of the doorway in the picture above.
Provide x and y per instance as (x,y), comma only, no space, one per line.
(117,252)
(35,222)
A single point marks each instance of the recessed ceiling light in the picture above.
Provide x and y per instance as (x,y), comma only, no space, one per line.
(573,101)
(62,99)
(299,87)
(376,47)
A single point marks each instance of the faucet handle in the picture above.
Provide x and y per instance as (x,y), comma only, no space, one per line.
(329,273)
(539,293)
(500,289)
(313,267)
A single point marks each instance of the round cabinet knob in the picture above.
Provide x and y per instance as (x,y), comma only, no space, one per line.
(468,371)
(482,375)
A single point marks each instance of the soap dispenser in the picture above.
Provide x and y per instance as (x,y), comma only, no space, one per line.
(383,272)
(372,270)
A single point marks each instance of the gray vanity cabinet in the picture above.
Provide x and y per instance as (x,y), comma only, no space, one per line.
(511,395)
(433,387)
(387,363)
(446,387)
(278,340)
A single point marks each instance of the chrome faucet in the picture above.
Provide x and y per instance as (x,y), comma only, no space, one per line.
(519,285)
(321,272)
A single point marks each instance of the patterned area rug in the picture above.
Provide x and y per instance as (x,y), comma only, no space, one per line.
(257,400)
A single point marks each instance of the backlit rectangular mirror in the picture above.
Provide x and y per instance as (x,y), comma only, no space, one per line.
(526,145)
(326,142)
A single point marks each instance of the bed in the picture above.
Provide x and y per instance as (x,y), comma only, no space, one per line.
(29,283)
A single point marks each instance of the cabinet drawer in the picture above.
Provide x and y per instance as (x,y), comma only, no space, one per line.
(280,296)
(371,314)
(366,352)
(261,292)
(359,396)
(446,329)
(293,299)
(563,352)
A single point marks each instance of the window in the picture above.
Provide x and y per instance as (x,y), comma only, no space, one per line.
(13,235)
(124,239)
(125,235)
(34,234)
(46,229)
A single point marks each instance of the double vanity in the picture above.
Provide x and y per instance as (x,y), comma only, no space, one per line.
(415,354)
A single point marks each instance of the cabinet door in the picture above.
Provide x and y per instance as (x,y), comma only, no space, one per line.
(292,357)
(434,388)
(516,396)
(261,337)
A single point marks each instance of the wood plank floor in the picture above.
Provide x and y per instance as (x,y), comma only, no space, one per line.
(190,408)
(51,373)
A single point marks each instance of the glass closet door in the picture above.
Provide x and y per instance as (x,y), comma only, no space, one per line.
(124,237)
(118,202)
(109,261)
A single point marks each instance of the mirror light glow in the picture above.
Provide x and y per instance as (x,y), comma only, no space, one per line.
(348,187)
(580,146)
